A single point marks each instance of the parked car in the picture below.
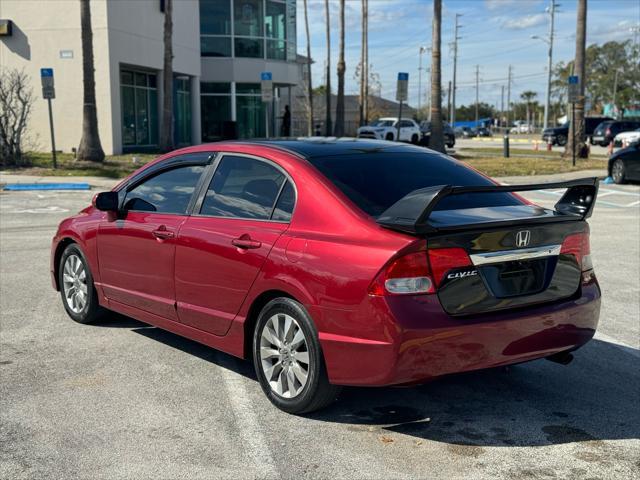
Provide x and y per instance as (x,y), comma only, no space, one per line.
(559,135)
(465,132)
(626,138)
(387,129)
(624,165)
(606,131)
(449,135)
(483,132)
(521,128)
(335,262)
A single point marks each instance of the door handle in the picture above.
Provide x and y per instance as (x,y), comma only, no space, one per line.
(162,233)
(246,243)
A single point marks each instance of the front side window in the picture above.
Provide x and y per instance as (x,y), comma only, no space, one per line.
(167,192)
(244,188)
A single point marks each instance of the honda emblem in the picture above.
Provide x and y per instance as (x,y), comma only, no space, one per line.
(522,238)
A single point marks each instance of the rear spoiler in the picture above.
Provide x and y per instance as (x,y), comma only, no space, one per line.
(411,213)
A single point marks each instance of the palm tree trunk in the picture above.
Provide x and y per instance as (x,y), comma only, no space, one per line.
(362,67)
(90,147)
(166,129)
(436,142)
(366,61)
(328,127)
(309,84)
(339,129)
(576,128)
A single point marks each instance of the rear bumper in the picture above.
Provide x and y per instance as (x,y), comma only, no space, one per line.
(424,342)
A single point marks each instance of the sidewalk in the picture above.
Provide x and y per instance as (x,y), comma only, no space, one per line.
(555,177)
(100,183)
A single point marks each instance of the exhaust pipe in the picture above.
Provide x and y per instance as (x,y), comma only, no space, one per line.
(563,358)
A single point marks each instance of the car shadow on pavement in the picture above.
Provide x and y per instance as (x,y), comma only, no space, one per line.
(538,403)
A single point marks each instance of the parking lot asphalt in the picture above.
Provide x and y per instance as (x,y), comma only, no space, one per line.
(125,400)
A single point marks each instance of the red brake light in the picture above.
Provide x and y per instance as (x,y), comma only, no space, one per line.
(444,259)
(577,244)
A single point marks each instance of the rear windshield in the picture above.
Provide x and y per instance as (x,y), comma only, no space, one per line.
(376,181)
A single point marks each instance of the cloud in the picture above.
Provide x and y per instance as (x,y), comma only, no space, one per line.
(502,4)
(527,21)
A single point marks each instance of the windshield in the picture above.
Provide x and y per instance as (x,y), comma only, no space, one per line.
(376,181)
(382,123)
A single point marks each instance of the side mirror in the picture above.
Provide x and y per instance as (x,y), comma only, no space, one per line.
(106,201)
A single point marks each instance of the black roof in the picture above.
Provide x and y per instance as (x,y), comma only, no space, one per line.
(323,147)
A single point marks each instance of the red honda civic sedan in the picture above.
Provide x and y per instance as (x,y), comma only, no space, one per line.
(336,262)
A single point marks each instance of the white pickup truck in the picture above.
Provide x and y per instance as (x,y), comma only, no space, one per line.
(387,129)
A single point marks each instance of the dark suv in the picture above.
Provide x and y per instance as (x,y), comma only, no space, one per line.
(605,132)
(559,135)
(449,135)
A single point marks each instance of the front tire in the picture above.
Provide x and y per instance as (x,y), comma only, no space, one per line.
(389,137)
(561,140)
(79,295)
(288,359)
(618,171)
(414,139)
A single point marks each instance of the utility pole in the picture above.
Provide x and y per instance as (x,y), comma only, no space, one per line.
(452,114)
(449,102)
(547,99)
(509,96)
(615,88)
(501,104)
(477,88)
(365,67)
(421,51)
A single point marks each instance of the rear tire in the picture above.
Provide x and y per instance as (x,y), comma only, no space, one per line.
(618,171)
(414,139)
(389,136)
(77,290)
(288,359)
(561,140)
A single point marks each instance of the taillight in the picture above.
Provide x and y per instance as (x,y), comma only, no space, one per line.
(406,275)
(412,274)
(577,244)
(444,259)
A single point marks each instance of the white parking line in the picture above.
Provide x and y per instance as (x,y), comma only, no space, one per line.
(248,427)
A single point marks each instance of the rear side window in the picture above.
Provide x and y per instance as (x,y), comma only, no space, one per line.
(285,204)
(167,192)
(243,188)
(376,181)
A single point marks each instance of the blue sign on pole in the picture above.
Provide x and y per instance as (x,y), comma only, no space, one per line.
(265,76)
(403,76)
(573,79)
(46,72)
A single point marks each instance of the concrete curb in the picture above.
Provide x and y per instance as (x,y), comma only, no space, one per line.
(101,183)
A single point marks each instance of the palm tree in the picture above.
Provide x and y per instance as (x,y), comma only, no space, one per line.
(576,144)
(166,127)
(436,141)
(309,85)
(528,97)
(327,121)
(363,64)
(90,147)
(339,128)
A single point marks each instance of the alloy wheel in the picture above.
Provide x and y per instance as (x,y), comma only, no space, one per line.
(74,283)
(284,355)
(617,171)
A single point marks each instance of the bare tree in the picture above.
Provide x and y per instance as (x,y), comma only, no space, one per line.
(436,141)
(16,100)
(576,125)
(327,121)
(309,84)
(90,147)
(166,126)
(339,128)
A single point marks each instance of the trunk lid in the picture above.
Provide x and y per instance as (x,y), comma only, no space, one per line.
(503,275)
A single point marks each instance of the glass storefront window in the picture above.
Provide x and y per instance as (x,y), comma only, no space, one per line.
(248,88)
(250,112)
(276,49)
(215,111)
(248,18)
(274,20)
(183,111)
(215,17)
(215,46)
(249,47)
(139,98)
(214,87)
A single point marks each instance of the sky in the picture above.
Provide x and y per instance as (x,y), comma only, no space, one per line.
(495,34)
